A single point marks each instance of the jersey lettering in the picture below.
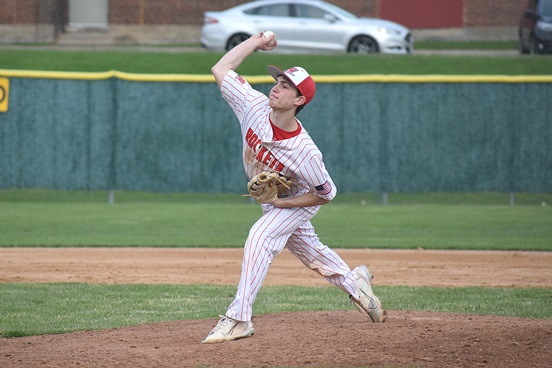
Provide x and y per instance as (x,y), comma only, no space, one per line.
(252,140)
(263,154)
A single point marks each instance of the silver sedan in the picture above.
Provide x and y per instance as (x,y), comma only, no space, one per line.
(304,26)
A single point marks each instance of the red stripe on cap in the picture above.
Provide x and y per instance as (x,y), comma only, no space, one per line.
(307,88)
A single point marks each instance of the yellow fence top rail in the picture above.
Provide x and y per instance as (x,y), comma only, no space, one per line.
(205,78)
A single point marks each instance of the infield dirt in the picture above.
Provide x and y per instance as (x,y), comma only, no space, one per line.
(317,339)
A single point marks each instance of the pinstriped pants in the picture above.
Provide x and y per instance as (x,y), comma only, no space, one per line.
(289,228)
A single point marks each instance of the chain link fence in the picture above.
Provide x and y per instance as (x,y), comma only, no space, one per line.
(401,142)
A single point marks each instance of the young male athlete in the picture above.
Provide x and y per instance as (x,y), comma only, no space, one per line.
(275,141)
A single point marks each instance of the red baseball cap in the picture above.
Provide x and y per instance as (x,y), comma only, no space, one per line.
(299,77)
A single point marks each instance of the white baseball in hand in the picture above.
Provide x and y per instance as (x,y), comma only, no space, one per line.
(268,34)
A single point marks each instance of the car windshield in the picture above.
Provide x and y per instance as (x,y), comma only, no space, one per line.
(545,8)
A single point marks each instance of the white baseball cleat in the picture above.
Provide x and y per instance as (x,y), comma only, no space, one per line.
(229,329)
(368,301)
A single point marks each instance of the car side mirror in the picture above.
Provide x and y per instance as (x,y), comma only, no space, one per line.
(330,18)
(529,14)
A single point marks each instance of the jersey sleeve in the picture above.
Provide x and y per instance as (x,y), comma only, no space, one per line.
(319,178)
(238,93)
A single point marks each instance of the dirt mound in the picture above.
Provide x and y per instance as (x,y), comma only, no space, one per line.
(329,339)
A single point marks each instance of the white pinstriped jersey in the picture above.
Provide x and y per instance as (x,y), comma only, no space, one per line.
(298,158)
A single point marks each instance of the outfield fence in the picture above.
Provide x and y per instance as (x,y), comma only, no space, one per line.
(174,133)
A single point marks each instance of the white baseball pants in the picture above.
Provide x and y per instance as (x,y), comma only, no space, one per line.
(291,228)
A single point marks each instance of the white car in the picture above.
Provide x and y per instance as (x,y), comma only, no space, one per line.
(304,26)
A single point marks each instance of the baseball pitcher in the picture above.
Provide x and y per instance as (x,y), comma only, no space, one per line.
(287,176)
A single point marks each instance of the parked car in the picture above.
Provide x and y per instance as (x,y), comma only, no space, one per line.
(535,28)
(304,26)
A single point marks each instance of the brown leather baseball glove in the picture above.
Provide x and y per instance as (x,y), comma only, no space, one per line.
(265,186)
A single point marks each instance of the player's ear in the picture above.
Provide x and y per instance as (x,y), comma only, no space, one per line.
(301,100)
(300,103)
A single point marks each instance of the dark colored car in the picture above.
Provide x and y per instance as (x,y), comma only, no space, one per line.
(535,28)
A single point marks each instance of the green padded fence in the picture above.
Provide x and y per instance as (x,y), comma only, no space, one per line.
(174,133)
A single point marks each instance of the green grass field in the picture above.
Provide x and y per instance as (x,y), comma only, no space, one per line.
(159,62)
(35,309)
(53,219)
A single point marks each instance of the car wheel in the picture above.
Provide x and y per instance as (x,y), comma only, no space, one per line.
(235,40)
(363,45)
